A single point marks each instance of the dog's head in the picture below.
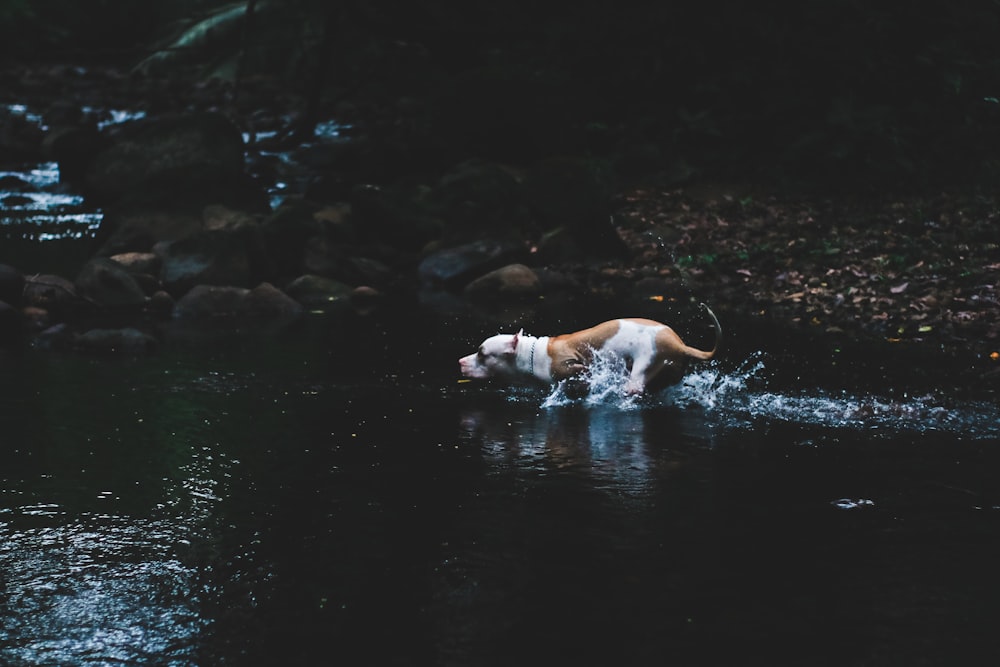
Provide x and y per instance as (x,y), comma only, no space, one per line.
(496,357)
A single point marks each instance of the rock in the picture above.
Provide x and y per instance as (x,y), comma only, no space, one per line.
(54,294)
(456,266)
(180,156)
(318,292)
(365,299)
(20,138)
(210,301)
(221,257)
(110,341)
(285,233)
(264,302)
(478,196)
(11,285)
(267,302)
(107,283)
(391,218)
(11,183)
(146,263)
(11,325)
(576,193)
(161,302)
(514,281)
(138,230)
(73,147)
(219,217)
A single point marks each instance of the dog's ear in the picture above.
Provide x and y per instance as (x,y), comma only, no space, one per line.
(515,339)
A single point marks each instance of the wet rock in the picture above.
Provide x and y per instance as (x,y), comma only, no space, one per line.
(109,284)
(54,294)
(388,217)
(575,193)
(221,257)
(139,230)
(365,299)
(11,183)
(267,302)
(16,201)
(514,281)
(146,263)
(73,147)
(264,302)
(11,325)
(115,341)
(477,196)
(219,217)
(161,302)
(180,156)
(11,285)
(20,138)
(453,267)
(210,301)
(318,292)
(286,232)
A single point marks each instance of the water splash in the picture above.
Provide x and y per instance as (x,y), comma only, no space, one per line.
(741,398)
(603,383)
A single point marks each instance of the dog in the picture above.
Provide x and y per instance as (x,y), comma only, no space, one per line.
(651,351)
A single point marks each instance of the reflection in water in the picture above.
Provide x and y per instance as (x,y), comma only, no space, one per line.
(606,443)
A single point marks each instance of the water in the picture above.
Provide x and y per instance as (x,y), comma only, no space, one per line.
(338,496)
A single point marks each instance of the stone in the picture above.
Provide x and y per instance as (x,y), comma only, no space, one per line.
(109,284)
(221,257)
(180,154)
(11,285)
(514,281)
(110,341)
(318,292)
(210,301)
(453,267)
(52,293)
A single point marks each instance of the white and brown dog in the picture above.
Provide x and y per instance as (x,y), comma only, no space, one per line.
(651,351)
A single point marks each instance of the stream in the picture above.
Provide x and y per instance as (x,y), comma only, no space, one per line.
(337,495)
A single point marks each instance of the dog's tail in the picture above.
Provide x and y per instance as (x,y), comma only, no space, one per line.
(695,353)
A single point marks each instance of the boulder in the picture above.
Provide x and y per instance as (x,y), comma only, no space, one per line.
(11,325)
(478,196)
(575,193)
(392,218)
(53,294)
(111,341)
(453,267)
(11,285)
(263,303)
(109,284)
(20,137)
(514,281)
(177,155)
(210,301)
(267,302)
(318,292)
(221,257)
(138,230)
(144,263)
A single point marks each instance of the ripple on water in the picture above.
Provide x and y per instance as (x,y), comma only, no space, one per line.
(106,587)
(739,398)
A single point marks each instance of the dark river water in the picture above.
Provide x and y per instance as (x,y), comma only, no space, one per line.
(337,496)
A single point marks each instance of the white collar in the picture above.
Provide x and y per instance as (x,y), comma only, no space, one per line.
(532,357)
